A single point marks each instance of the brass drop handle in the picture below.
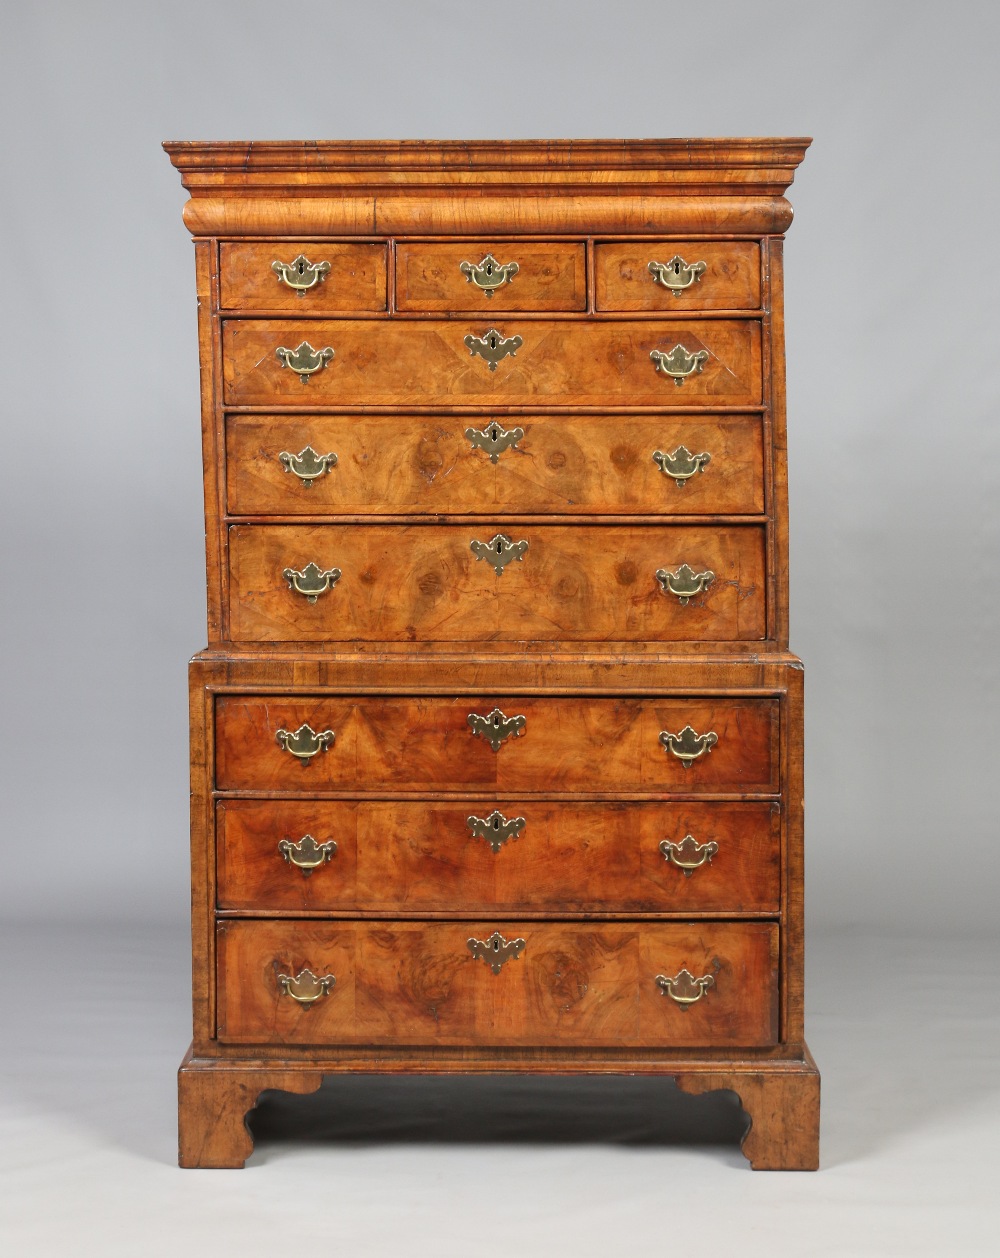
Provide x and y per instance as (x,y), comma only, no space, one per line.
(489,275)
(684,988)
(495,728)
(499,551)
(685,583)
(495,951)
(493,347)
(307,465)
(495,828)
(494,439)
(677,363)
(689,854)
(687,745)
(307,854)
(681,465)
(312,581)
(304,360)
(304,743)
(300,274)
(676,274)
(306,987)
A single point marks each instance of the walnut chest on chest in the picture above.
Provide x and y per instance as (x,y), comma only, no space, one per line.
(496,745)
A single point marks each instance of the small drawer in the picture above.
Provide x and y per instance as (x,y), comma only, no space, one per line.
(668,275)
(485,854)
(416,744)
(670,465)
(327,278)
(497,982)
(497,582)
(490,276)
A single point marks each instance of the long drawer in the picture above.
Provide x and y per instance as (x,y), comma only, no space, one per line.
(398,464)
(529,983)
(548,745)
(451,582)
(481,855)
(430,362)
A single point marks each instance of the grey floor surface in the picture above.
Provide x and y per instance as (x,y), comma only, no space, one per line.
(906,1033)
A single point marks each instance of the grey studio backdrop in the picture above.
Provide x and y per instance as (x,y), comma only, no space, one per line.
(892,386)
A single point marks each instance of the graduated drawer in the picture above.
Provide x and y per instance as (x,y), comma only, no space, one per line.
(426,362)
(355,278)
(482,855)
(431,277)
(388,464)
(571,983)
(424,582)
(417,744)
(717,275)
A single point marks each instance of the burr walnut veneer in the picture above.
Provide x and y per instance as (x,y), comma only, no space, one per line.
(496,745)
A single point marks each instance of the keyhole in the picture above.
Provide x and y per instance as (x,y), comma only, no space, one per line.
(494,433)
(493,342)
(496,945)
(677,268)
(499,548)
(496,825)
(489,268)
(301,268)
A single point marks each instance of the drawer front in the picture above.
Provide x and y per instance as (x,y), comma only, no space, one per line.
(571,983)
(716,275)
(389,464)
(482,854)
(432,277)
(427,363)
(354,279)
(571,583)
(418,744)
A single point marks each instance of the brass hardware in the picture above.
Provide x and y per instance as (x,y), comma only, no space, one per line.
(490,274)
(305,987)
(304,360)
(495,828)
(676,274)
(689,854)
(494,439)
(685,582)
(681,465)
(312,581)
(678,363)
(687,745)
(498,552)
(305,742)
(307,854)
(493,347)
(308,465)
(495,727)
(684,988)
(300,273)
(496,950)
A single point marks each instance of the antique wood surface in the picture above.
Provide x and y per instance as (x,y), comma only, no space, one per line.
(415,744)
(397,464)
(418,983)
(356,280)
(549,277)
(731,280)
(422,857)
(424,582)
(559,361)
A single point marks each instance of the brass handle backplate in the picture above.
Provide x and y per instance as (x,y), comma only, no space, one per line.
(676,274)
(493,347)
(308,466)
(306,987)
(312,581)
(677,363)
(300,273)
(304,360)
(681,465)
(307,854)
(689,854)
(495,727)
(685,583)
(684,988)
(304,743)
(490,274)
(499,551)
(495,951)
(494,439)
(495,828)
(687,745)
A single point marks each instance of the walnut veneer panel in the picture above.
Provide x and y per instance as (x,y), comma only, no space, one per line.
(549,276)
(356,279)
(730,281)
